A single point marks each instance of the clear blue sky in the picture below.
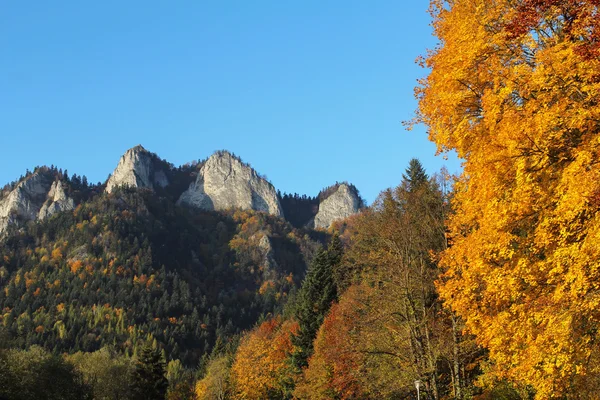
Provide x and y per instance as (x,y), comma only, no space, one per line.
(307,92)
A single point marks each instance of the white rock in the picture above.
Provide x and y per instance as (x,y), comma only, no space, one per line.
(224,182)
(339,205)
(136,169)
(35,197)
(57,201)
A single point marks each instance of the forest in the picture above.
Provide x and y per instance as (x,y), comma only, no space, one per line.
(484,285)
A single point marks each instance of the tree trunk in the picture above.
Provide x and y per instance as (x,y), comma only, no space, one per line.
(456,378)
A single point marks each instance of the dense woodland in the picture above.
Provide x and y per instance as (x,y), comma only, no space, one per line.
(478,286)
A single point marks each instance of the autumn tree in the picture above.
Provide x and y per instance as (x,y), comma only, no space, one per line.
(261,368)
(514,89)
(336,369)
(216,383)
(393,249)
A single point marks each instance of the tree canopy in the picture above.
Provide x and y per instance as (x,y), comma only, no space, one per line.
(514,90)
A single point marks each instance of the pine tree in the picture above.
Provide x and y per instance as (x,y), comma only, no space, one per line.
(149,380)
(317,293)
(415,174)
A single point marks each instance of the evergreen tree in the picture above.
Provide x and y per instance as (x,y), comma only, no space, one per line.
(317,293)
(149,380)
(415,174)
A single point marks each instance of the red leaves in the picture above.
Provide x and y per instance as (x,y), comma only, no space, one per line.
(579,20)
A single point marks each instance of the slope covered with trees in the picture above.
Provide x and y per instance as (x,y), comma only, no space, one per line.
(131,265)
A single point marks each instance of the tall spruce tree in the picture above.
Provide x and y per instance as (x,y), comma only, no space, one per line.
(149,380)
(317,293)
(414,175)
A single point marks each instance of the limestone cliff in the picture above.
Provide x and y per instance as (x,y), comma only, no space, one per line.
(57,201)
(35,197)
(225,182)
(138,168)
(342,202)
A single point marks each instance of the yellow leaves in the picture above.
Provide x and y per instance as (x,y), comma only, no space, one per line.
(216,382)
(57,255)
(523,268)
(261,360)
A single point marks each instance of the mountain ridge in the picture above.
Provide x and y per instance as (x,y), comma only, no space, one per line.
(219,182)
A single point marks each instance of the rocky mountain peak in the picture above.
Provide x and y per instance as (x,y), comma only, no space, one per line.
(225,182)
(35,197)
(57,200)
(337,202)
(138,168)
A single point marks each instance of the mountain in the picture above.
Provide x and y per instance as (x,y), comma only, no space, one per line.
(225,182)
(185,256)
(335,203)
(37,196)
(138,168)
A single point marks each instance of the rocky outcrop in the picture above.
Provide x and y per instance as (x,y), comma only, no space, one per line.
(57,201)
(138,168)
(341,203)
(268,262)
(35,197)
(225,182)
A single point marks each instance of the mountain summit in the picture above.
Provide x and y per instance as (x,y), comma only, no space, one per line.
(138,168)
(224,182)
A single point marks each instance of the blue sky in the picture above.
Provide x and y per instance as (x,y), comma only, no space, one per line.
(308,92)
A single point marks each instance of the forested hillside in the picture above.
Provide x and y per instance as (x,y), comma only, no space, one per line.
(128,265)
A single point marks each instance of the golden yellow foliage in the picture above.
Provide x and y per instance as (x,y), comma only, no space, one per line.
(260,363)
(57,254)
(522,111)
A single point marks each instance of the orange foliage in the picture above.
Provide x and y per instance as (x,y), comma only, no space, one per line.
(57,255)
(75,266)
(260,363)
(520,105)
(266,286)
(334,370)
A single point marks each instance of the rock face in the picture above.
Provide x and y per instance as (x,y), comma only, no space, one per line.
(225,182)
(342,203)
(137,168)
(34,198)
(57,201)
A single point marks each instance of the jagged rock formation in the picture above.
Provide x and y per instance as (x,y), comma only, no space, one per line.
(138,168)
(221,182)
(225,182)
(57,201)
(35,197)
(341,203)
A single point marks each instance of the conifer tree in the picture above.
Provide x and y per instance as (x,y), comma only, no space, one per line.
(415,174)
(149,380)
(317,293)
